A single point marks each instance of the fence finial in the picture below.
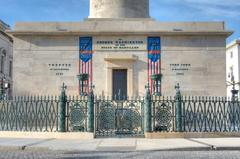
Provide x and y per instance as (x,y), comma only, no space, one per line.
(147,87)
(64,87)
(178,92)
(92,87)
(177,87)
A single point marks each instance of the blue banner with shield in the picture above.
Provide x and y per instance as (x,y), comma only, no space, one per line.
(154,48)
(85,48)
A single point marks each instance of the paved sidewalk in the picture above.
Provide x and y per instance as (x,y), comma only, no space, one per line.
(118,144)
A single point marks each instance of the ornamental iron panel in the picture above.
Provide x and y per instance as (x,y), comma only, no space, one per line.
(118,117)
(77,114)
(29,114)
(210,114)
(163,113)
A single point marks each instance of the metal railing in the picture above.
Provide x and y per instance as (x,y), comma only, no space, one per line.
(210,114)
(198,114)
(29,114)
(122,116)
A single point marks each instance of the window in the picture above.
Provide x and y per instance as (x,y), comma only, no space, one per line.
(3,59)
(231,54)
(10,69)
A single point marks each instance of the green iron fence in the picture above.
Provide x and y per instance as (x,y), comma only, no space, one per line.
(45,113)
(42,114)
(210,114)
(198,114)
(120,116)
(29,114)
(117,117)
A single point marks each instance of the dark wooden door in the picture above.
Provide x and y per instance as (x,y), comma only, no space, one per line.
(120,83)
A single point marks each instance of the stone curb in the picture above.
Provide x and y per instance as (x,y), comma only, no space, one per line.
(170,149)
(119,149)
(124,149)
(183,135)
(26,146)
(46,135)
(10,148)
(199,149)
(23,148)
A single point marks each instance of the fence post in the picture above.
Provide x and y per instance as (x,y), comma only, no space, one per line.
(90,112)
(178,110)
(63,102)
(147,111)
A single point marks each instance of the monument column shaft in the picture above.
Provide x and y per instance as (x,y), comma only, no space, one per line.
(119,9)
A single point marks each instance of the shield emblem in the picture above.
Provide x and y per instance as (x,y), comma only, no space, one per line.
(85,57)
(154,57)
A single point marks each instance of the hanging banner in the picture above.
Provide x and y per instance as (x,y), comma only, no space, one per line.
(85,48)
(154,47)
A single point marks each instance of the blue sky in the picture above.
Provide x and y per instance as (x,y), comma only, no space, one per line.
(12,11)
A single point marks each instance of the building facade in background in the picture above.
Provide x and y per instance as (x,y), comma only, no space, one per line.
(233,66)
(119,49)
(6,61)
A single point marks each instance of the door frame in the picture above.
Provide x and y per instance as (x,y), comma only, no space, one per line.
(120,65)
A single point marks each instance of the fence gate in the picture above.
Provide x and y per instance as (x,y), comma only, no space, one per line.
(114,118)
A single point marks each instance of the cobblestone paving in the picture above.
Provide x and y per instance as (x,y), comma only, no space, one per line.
(120,155)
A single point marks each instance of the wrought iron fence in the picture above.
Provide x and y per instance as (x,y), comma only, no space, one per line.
(210,114)
(41,113)
(29,114)
(119,116)
(198,114)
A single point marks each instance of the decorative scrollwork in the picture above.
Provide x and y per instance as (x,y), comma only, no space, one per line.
(106,117)
(163,117)
(131,120)
(132,105)
(119,117)
(77,116)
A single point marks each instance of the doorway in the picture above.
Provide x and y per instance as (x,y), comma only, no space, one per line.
(119,87)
